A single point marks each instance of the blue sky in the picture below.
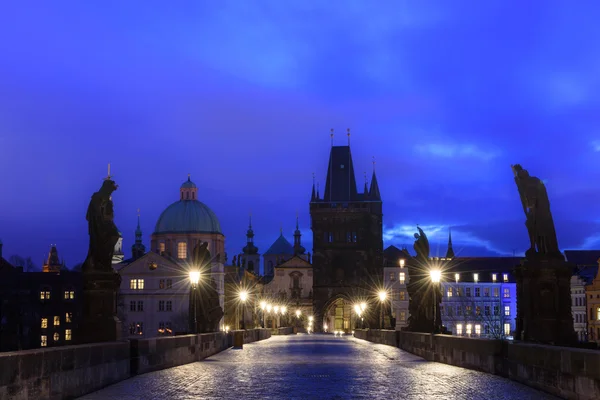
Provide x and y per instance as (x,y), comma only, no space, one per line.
(445,96)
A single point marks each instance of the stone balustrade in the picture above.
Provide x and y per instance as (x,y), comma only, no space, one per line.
(72,371)
(288,330)
(567,372)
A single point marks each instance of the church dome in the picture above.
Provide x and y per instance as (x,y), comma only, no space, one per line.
(188,215)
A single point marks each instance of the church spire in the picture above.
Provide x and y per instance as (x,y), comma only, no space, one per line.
(250,248)
(312,196)
(374,193)
(298,249)
(450,251)
(366,189)
(138,249)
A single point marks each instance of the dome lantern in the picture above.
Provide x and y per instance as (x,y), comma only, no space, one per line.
(188,190)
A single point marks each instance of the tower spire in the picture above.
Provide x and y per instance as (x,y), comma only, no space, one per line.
(348,133)
(331,135)
(138,249)
(450,251)
(366,190)
(374,193)
(298,249)
(312,196)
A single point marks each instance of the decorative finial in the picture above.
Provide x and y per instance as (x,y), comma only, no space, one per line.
(189,177)
(138,211)
(348,130)
(331,134)
(281,229)
(313,178)
(250,218)
(108,176)
(373,163)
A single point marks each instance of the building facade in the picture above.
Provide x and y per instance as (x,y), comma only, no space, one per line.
(578,307)
(347,243)
(395,279)
(592,294)
(479,296)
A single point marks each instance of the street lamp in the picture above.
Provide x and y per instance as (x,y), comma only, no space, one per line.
(436,276)
(283,311)
(194,279)
(243,298)
(382,297)
(358,310)
(298,312)
(263,306)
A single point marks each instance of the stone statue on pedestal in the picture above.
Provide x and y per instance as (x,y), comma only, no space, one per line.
(207,297)
(100,281)
(543,278)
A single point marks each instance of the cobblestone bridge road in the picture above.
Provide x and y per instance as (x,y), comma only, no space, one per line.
(316,367)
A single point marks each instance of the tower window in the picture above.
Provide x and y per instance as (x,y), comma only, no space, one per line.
(44,341)
(161,247)
(44,323)
(67,334)
(182,250)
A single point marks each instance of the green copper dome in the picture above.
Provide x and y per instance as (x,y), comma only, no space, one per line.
(187,216)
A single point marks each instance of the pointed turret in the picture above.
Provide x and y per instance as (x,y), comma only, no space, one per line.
(250,248)
(341,182)
(52,263)
(374,193)
(450,251)
(298,249)
(138,249)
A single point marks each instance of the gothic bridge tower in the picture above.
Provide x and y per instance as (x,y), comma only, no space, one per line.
(347,243)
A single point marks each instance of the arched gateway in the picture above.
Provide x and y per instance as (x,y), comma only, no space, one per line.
(338,315)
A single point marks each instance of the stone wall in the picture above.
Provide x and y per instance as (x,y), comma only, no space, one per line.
(62,372)
(255,335)
(288,330)
(566,372)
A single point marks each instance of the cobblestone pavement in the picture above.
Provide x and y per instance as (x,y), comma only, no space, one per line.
(316,367)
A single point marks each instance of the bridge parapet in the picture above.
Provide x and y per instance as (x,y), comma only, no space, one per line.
(567,372)
(62,372)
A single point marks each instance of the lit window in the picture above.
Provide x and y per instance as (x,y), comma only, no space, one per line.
(478,310)
(496,292)
(45,295)
(402,261)
(402,295)
(456,277)
(598,313)
(136,284)
(161,247)
(402,315)
(478,329)
(459,329)
(56,320)
(468,310)
(161,284)
(56,336)
(506,292)
(493,277)
(507,310)
(182,250)
(469,328)
(44,323)
(402,277)
(475,278)
(392,276)
(44,341)
(69,295)
(69,317)
(486,292)
(67,334)
(506,329)
(505,277)
(169,283)
(449,292)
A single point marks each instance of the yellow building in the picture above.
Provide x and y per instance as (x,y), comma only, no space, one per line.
(592,294)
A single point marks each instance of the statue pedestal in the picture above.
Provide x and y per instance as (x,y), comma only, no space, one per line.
(544,301)
(99,320)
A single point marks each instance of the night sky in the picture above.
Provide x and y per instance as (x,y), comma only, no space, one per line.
(446,95)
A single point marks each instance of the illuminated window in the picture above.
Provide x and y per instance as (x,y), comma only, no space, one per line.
(44,323)
(468,310)
(44,341)
(56,320)
(182,250)
(506,292)
(161,284)
(69,295)
(507,310)
(469,328)
(402,277)
(493,277)
(136,284)
(478,329)
(69,317)
(56,336)
(449,292)
(402,295)
(459,329)
(45,295)
(161,247)
(486,292)
(505,277)
(496,292)
(478,310)
(476,277)
(392,276)
(598,313)
(67,334)
(456,277)
(506,329)
(402,261)
(169,283)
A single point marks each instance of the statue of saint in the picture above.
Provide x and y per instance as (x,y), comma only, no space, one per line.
(201,256)
(102,229)
(209,308)
(421,246)
(539,222)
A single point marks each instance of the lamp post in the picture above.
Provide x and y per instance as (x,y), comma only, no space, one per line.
(269,308)
(382,297)
(194,279)
(263,306)
(363,307)
(436,276)
(243,298)
(283,311)
(276,310)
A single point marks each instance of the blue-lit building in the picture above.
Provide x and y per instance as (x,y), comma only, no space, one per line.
(479,296)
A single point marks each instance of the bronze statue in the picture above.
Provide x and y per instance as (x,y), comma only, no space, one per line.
(421,245)
(102,229)
(539,222)
(209,308)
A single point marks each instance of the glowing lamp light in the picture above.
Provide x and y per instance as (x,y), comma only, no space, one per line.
(283,309)
(357,309)
(269,308)
(194,277)
(363,306)
(436,275)
(402,261)
(243,295)
(382,296)
(310,319)
(263,305)
(298,313)
(276,309)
